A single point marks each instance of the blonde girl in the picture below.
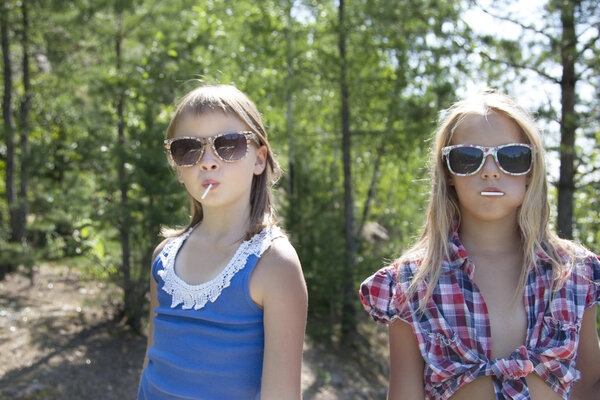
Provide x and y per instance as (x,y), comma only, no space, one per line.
(489,303)
(228,299)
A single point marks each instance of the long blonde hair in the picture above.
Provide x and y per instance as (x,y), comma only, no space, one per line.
(230,100)
(443,209)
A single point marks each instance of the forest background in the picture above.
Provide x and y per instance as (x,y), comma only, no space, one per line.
(350,91)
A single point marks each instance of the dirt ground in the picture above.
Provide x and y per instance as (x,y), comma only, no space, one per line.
(58,341)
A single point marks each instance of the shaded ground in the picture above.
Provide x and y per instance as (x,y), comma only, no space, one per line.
(58,341)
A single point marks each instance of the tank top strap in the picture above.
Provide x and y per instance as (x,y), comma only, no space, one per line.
(261,242)
(269,234)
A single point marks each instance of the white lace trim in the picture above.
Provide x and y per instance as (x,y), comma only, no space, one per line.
(197,296)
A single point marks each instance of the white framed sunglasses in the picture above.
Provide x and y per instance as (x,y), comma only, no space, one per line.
(467,159)
(187,151)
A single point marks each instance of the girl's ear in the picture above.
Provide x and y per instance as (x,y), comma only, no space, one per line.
(179,177)
(261,160)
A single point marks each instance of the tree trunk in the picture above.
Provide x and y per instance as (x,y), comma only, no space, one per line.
(289,119)
(25,127)
(9,132)
(348,310)
(129,293)
(566,186)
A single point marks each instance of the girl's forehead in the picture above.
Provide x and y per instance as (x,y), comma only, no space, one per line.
(490,129)
(209,123)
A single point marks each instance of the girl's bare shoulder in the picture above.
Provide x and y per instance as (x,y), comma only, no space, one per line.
(281,255)
(278,277)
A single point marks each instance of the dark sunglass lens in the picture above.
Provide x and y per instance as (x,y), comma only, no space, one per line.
(231,147)
(186,151)
(515,159)
(465,160)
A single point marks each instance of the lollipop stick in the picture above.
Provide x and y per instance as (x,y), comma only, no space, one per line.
(206,192)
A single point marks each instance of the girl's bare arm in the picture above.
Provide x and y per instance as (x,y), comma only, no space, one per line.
(588,359)
(406,363)
(153,301)
(277,285)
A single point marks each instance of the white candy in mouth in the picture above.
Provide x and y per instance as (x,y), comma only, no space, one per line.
(206,192)
(492,193)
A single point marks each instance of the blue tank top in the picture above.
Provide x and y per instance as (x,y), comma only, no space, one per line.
(208,339)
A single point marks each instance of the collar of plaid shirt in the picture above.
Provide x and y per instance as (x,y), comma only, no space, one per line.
(458,255)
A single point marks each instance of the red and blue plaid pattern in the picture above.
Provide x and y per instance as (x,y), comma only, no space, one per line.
(454,334)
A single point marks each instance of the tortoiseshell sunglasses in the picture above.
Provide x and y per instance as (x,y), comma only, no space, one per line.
(229,147)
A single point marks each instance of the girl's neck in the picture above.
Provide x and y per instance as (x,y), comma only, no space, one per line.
(226,225)
(490,237)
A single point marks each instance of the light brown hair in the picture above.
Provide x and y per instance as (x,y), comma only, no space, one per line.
(230,100)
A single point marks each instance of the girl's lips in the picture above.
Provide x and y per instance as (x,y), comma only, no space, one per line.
(209,182)
(209,185)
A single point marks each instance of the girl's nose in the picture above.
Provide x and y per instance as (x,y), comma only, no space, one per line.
(209,160)
(490,170)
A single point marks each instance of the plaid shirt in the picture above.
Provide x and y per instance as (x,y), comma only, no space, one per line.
(454,334)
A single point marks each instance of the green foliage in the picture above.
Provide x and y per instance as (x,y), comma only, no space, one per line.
(403,67)
(284,55)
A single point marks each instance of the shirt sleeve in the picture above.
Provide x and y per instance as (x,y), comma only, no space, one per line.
(381,295)
(593,263)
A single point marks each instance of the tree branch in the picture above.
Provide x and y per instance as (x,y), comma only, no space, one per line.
(586,174)
(588,68)
(519,66)
(505,62)
(508,19)
(554,115)
(590,43)
(588,184)
(579,184)
(370,194)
